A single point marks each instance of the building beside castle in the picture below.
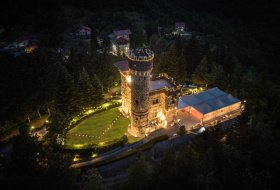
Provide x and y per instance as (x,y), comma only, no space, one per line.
(151,101)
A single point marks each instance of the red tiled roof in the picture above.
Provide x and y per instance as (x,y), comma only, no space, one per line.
(122,32)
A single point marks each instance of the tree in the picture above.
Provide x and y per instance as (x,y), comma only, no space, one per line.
(97,96)
(173,63)
(86,90)
(217,75)
(139,175)
(164,172)
(24,129)
(74,64)
(57,126)
(182,76)
(192,53)
(103,67)
(66,99)
(92,180)
(201,73)
(182,131)
(187,165)
(58,123)
(34,165)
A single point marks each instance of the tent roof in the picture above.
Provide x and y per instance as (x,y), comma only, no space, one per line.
(207,101)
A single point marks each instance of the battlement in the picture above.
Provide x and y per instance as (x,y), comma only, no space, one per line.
(141,54)
(165,76)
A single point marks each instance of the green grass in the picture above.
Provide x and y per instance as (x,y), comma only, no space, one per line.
(132,139)
(96,125)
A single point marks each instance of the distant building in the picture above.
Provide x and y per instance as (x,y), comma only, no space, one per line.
(23,44)
(83,32)
(180,27)
(31,48)
(120,41)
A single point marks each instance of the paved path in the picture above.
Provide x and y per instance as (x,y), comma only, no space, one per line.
(107,155)
(37,123)
(116,172)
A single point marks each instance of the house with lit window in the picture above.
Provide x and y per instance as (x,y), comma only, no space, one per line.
(120,42)
(180,27)
(23,44)
(83,32)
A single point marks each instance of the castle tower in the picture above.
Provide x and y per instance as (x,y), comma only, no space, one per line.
(140,63)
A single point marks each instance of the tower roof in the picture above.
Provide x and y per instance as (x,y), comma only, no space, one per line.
(141,54)
(122,65)
(140,59)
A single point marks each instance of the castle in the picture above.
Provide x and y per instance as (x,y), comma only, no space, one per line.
(155,101)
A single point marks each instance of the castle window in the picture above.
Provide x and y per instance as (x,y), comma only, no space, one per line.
(155,101)
(136,102)
(155,114)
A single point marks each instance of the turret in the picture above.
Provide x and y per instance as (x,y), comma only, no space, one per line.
(140,63)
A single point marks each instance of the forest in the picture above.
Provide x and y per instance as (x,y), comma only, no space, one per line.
(234,46)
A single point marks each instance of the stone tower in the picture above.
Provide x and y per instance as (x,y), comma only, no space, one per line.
(140,63)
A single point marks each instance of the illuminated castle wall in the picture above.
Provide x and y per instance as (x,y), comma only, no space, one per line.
(149,101)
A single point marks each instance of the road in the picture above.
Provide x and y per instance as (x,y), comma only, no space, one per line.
(116,172)
(37,123)
(106,155)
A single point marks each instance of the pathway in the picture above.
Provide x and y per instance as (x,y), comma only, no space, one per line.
(37,123)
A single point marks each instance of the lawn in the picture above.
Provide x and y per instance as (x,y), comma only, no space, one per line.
(98,128)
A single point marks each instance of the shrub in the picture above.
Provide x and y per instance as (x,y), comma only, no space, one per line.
(182,130)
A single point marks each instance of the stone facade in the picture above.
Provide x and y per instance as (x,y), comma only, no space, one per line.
(152,101)
(149,101)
